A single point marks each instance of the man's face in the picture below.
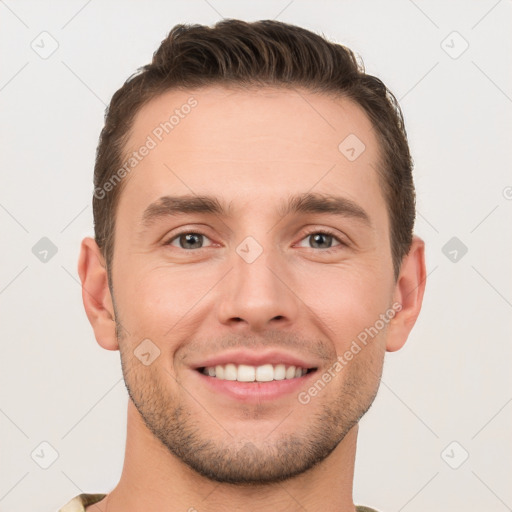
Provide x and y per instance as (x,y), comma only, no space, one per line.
(251,285)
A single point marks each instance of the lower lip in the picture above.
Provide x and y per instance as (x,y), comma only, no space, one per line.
(255,391)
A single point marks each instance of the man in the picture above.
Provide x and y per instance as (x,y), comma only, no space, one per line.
(253,260)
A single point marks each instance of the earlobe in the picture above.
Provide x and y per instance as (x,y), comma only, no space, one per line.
(409,290)
(96,294)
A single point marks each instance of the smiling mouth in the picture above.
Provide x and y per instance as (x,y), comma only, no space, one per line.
(247,373)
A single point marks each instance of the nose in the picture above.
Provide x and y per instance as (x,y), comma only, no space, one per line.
(257,296)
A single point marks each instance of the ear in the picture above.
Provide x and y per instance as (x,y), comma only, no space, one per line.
(409,290)
(96,294)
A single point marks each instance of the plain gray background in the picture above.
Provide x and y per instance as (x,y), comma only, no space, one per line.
(444,397)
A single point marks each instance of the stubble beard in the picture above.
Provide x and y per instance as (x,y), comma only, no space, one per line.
(228,459)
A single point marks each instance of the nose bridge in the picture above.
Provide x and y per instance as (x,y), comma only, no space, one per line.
(255,292)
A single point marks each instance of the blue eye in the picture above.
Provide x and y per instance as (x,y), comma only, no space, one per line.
(188,240)
(322,240)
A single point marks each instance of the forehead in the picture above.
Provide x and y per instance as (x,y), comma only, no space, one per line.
(246,145)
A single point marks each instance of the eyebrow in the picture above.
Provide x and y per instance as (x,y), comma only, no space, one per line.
(169,206)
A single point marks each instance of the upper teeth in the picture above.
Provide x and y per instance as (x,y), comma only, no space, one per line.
(246,373)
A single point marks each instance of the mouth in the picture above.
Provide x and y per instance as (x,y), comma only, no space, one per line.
(249,373)
(253,377)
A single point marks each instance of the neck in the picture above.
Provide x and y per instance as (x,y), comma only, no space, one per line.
(155,479)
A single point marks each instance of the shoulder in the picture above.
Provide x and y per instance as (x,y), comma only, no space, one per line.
(78,503)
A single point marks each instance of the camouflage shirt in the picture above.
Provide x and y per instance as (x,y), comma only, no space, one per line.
(78,503)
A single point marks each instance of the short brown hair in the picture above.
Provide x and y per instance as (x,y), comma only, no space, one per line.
(261,53)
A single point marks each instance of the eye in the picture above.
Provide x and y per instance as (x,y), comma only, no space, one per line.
(322,240)
(188,240)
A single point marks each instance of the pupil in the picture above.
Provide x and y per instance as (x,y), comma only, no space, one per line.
(189,239)
(319,238)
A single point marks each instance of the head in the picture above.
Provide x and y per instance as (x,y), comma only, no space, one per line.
(253,198)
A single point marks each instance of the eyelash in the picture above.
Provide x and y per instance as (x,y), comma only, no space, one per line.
(309,233)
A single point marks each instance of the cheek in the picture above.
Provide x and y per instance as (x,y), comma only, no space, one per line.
(345,300)
(157,300)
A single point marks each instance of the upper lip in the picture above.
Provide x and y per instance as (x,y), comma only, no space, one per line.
(253,358)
